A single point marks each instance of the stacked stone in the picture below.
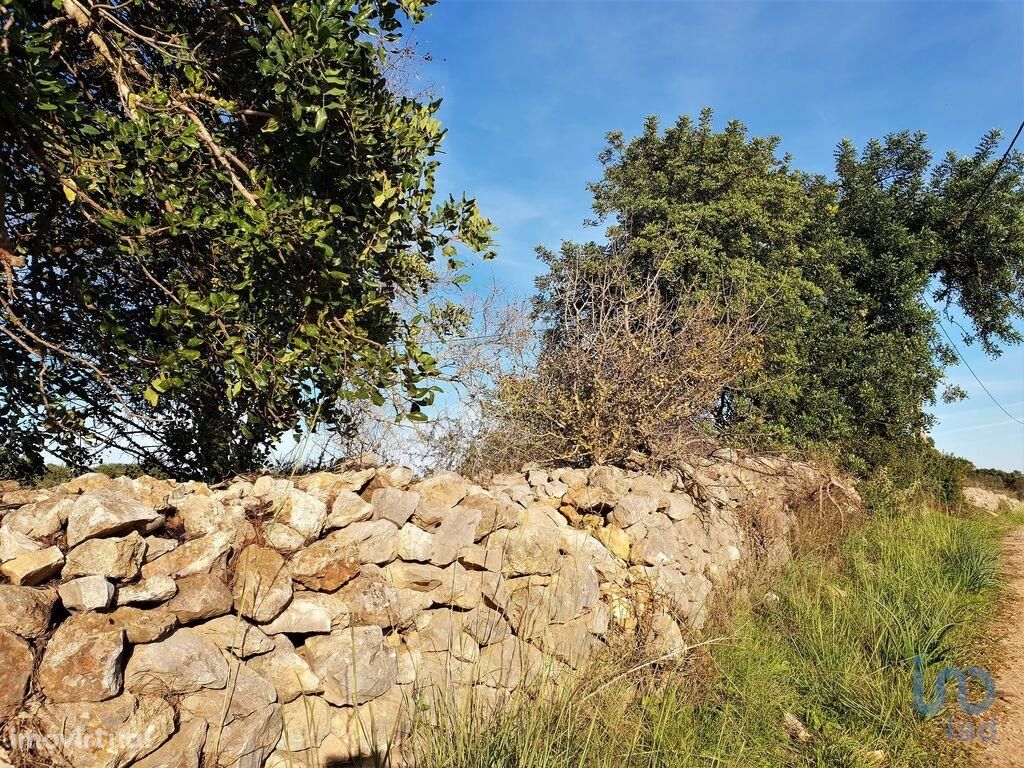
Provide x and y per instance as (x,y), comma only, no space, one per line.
(287,622)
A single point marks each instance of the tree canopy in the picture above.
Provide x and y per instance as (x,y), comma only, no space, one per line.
(850,273)
(209,211)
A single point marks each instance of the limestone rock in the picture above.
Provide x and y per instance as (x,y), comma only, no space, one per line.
(373,601)
(86,593)
(186,662)
(510,664)
(442,490)
(355,664)
(296,519)
(197,556)
(459,588)
(309,613)
(199,597)
(82,661)
(118,559)
(456,531)
(157,589)
(419,576)
(394,505)
(157,546)
(142,626)
(486,626)
(107,513)
(108,734)
(41,519)
(263,584)
(286,670)
(347,508)
(415,544)
(13,543)
(236,635)
(183,750)
(374,729)
(26,611)
(16,663)
(202,515)
(327,564)
(615,539)
(35,567)
(307,722)
(529,549)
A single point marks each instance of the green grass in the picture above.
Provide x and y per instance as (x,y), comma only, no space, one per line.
(835,651)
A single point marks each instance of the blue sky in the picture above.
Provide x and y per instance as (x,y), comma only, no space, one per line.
(531,87)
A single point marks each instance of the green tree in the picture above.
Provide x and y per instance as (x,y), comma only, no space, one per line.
(209,214)
(841,269)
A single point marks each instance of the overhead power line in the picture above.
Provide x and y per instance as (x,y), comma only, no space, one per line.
(976,377)
(992,178)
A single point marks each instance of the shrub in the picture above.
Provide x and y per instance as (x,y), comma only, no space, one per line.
(621,375)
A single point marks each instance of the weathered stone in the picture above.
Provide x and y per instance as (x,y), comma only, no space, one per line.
(526,550)
(157,546)
(41,519)
(106,513)
(14,544)
(155,590)
(30,568)
(355,664)
(183,750)
(588,499)
(680,507)
(616,540)
(288,672)
(186,662)
(296,519)
(87,593)
(144,489)
(441,631)
(459,588)
(632,509)
(309,613)
(658,547)
(202,515)
(575,590)
(82,661)
(477,558)
(510,663)
(327,564)
(372,600)
(16,663)
(456,531)
(118,559)
(108,734)
(247,722)
(415,544)
(199,597)
(394,505)
(374,729)
(143,626)
(263,584)
(347,508)
(236,635)
(665,639)
(571,643)
(26,611)
(307,722)
(419,576)
(197,556)
(443,489)
(486,626)
(494,513)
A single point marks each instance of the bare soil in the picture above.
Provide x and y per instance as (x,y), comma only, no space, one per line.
(1007,749)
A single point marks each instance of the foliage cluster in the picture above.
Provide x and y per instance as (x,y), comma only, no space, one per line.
(208,212)
(849,269)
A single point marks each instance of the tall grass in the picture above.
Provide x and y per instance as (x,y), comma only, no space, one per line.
(835,651)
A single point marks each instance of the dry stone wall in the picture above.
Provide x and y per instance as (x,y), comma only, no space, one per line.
(280,622)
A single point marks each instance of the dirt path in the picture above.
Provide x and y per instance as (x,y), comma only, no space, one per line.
(1007,749)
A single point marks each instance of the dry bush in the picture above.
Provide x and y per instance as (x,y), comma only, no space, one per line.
(622,375)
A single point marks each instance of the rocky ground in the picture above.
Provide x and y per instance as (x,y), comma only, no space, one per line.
(276,622)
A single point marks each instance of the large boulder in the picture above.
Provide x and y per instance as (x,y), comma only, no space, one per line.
(26,610)
(186,662)
(16,663)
